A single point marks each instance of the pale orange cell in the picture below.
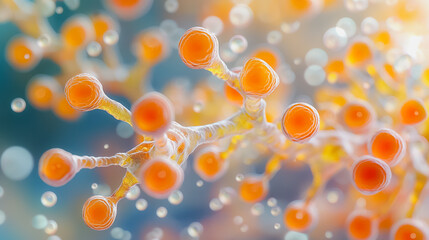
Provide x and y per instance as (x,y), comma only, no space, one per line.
(233,95)
(57,167)
(151,46)
(41,91)
(300,122)
(335,70)
(410,229)
(358,54)
(407,11)
(301,5)
(361,226)
(159,177)
(99,212)
(387,145)
(357,116)
(198,48)
(102,23)
(63,109)
(300,217)
(382,39)
(269,56)
(84,92)
(129,9)
(209,165)
(258,79)
(152,114)
(77,32)
(23,53)
(370,175)
(253,189)
(413,111)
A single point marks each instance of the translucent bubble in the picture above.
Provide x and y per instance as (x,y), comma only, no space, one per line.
(161,212)
(169,26)
(175,197)
(238,44)
(213,24)
(226,194)
(59,10)
(45,7)
(297,61)
(291,235)
(198,106)
(356,5)
(328,234)
(314,75)
(244,228)
(124,130)
(316,56)
(39,221)
(1,191)
(18,105)
(94,186)
(200,183)
(394,23)
(369,25)
(403,63)
(240,15)
(54,237)
(134,193)
(238,220)
(290,27)
(141,204)
(106,146)
(171,6)
(51,228)
(348,25)
(110,37)
(16,163)
(286,74)
(335,38)
(49,199)
(257,209)
(195,229)
(127,235)
(215,204)
(2,217)
(274,37)
(333,196)
(277,226)
(72,4)
(239,177)
(93,49)
(117,233)
(44,41)
(275,211)
(272,202)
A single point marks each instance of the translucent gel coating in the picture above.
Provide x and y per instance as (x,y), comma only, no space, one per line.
(57,167)
(77,31)
(160,177)
(253,189)
(357,116)
(300,122)
(300,217)
(152,114)
(23,53)
(358,54)
(233,95)
(99,212)
(267,55)
(41,91)
(258,79)
(198,48)
(361,226)
(151,46)
(387,145)
(84,92)
(410,229)
(209,165)
(370,175)
(412,112)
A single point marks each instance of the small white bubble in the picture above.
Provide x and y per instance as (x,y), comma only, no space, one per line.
(49,199)
(274,37)
(133,193)
(257,209)
(238,220)
(39,221)
(171,6)
(141,204)
(59,10)
(106,146)
(348,25)
(94,186)
(277,226)
(93,49)
(200,183)
(240,15)
(238,44)
(51,228)
(226,194)
(198,106)
(239,177)
(314,75)
(124,130)
(316,56)
(369,25)
(272,202)
(44,41)
(215,204)
(110,37)
(195,229)
(175,197)
(335,38)
(161,212)
(18,105)
(16,163)
(213,24)
(117,233)
(275,211)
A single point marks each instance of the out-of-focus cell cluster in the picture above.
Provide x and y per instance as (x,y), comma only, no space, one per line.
(367,118)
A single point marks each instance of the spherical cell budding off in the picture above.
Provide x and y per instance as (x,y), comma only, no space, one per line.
(57,167)
(209,165)
(233,95)
(77,32)
(300,122)
(152,114)
(99,212)
(258,79)
(160,177)
(198,48)
(300,216)
(151,46)
(357,117)
(387,145)
(253,189)
(409,229)
(370,175)
(84,92)
(412,112)
(361,225)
